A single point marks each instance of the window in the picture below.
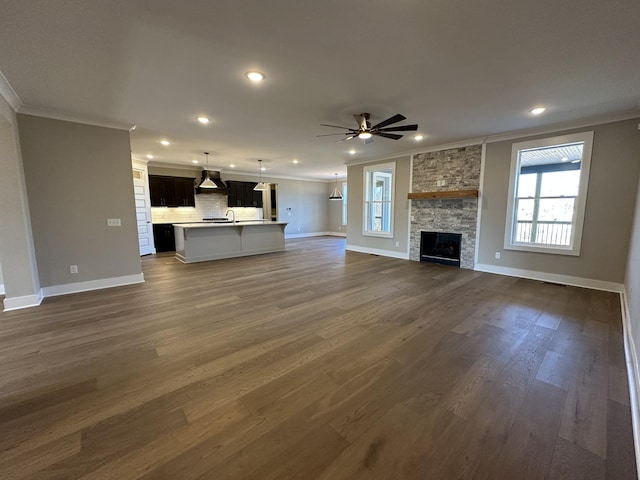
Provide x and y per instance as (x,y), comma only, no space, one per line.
(378,200)
(547,194)
(344,203)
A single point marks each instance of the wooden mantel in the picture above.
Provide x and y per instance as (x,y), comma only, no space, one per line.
(444,194)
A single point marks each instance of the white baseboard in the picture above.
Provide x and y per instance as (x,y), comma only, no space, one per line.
(314,234)
(551,277)
(92,285)
(631,358)
(16,303)
(377,251)
(1,288)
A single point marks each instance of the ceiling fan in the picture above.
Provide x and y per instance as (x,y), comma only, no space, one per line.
(365,131)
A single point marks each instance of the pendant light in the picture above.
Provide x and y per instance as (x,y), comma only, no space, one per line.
(336,194)
(207,183)
(260,186)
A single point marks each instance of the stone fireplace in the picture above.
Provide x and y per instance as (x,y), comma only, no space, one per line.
(441,171)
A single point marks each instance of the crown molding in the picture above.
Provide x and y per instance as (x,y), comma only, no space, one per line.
(512,135)
(70,117)
(559,127)
(9,94)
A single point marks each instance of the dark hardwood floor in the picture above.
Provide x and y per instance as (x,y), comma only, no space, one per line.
(316,364)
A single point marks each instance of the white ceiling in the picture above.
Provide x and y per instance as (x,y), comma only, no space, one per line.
(459,69)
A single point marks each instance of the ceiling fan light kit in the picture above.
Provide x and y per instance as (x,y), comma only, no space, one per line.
(365,131)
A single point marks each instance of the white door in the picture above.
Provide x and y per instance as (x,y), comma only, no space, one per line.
(143,210)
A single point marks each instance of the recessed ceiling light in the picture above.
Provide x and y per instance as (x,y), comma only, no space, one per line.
(203,119)
(232,166)
(418,137)
(255,76)
(262,168)
(364,135)
(165,142)
(150,156)
(538,110)
(352,152)
(194,161)
(295,160)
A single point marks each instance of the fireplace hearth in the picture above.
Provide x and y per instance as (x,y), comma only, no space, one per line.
(438,247)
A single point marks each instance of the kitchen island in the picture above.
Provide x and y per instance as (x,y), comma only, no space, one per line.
(200,242)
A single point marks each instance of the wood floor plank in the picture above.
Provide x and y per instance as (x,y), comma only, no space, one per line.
(316,363)
(570,461)
(621,461)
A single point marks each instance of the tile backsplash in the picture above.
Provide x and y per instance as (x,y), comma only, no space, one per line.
(207,206)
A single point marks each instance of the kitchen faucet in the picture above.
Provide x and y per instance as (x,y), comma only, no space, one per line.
(233,217)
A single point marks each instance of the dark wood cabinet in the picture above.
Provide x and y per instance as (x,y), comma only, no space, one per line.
(171,191)
(184,191)
(164,237)
(242,194)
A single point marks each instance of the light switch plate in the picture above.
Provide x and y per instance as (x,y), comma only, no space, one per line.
(113,222)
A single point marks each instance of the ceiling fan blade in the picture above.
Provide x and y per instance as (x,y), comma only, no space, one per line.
(395,119)
(399,128)
(345,139)
(334,126)
(331,134)
(392,136)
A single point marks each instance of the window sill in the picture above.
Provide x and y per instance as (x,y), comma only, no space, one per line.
(575,252)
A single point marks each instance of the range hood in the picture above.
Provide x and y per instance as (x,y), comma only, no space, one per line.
(215,178)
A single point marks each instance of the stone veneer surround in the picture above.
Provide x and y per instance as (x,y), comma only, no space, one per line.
(458,169)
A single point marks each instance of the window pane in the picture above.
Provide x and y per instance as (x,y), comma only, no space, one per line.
(527,185)
(556,209)
(553,234)
(525,209)
(555,184)
(378,200)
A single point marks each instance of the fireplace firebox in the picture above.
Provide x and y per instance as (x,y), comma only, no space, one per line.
(437,247)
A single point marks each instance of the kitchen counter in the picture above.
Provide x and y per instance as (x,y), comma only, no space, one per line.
(200,242)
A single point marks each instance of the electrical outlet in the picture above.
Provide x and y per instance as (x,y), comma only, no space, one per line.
(498,255)
(113,222)
(397,244)
(73,268)
(413,218)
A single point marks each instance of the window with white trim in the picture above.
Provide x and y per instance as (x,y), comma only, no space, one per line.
(547,194)
(378,200)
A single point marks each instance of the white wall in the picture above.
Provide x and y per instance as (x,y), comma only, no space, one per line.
(17,253)
(77,176)
(632,296)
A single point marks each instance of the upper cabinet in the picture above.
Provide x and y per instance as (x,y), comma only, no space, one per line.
(171,191)
(242,194)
